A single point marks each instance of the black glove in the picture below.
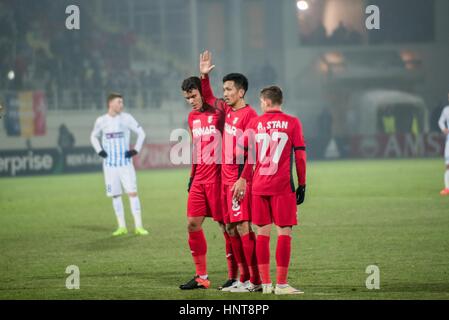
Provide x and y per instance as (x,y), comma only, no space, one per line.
(103,154)
(300,194)
(130,153)
(190,184)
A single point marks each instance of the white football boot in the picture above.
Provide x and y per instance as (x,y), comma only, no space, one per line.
(247,287)
(267,288)
(287,290)
(236,284)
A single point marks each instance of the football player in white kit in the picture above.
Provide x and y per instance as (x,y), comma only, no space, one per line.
(444,126)
(114,128)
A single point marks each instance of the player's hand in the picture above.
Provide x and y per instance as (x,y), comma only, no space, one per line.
(300,194)
(206,65)
(239,189)
(446,131)
(103,154)
(190,184)
(130,153)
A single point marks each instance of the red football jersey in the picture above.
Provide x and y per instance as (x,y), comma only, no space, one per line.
(234,140)
(278,138)
(206,127)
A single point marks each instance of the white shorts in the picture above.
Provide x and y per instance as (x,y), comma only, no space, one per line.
(446,151)
(115,177)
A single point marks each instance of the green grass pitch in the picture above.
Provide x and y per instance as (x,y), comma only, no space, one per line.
(356,214)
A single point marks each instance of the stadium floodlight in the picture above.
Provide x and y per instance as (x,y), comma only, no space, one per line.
(11,75)
(302,5)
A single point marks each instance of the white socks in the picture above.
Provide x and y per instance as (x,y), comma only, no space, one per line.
(119,212)
(135,209)
(446,179)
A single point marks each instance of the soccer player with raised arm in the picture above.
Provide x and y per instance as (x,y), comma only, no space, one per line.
(205,125)
(277,140)
(114,129)
(236,192)
(444,126)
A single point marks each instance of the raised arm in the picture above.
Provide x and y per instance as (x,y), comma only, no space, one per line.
(206,66)
(207,92)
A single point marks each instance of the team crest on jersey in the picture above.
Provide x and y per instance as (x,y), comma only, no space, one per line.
(235,205)
(209,119)
(235,120)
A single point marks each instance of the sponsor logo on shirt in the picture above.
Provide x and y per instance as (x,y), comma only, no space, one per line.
(203,131)
(115,135)
(230,129)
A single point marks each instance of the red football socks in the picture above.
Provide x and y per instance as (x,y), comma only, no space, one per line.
(283,252)
(232,263)
(263,257)
(198,248)
(237,248)
(249,249)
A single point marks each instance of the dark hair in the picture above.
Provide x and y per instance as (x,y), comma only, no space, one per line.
(190,84)
(240,81)
(274,93)
(114,95)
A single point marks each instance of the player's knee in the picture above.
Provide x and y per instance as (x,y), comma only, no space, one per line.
(193,226)
(222,227)
(284,231)
(243,228)
(230,229)
(132,194)
(264,230)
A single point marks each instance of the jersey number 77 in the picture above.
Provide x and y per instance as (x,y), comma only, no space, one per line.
(276,142)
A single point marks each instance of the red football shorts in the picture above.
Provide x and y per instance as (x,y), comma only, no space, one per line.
(205,201)
(278,209)
(234,211)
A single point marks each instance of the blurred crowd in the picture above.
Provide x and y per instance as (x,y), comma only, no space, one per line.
(44,55)
(340,36)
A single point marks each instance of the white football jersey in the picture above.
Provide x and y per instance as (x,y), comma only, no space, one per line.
(115,137)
